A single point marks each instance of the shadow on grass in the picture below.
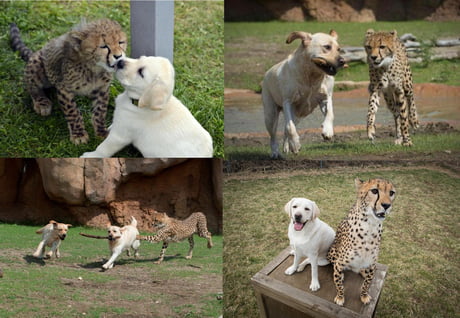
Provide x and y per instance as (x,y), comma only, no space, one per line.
(33,260)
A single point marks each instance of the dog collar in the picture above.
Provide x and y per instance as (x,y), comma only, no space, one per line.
(135,102)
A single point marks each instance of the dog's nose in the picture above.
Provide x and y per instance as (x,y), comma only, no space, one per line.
(341,61)
(386,206)
(298,217)
(121,64)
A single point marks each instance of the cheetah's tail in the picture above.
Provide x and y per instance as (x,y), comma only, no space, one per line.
(17,44)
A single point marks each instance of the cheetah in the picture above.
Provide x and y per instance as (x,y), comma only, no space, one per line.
(80,62)
(390,73)
(357,241)
(174,230)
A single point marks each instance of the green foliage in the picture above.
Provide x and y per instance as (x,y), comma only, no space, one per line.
(198,59)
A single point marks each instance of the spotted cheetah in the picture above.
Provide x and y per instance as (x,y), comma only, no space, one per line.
(174,230)
(357,241)
(80,62)
(390,73)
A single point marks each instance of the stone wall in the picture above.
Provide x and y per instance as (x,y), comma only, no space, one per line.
(95,191)
(341,10)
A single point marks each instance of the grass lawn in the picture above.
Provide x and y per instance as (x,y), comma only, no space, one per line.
(420,241)
(426,145)
(75,286)
(198,61)
(252,48)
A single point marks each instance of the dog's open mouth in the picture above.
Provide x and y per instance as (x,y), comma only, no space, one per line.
(298,226)
(326,66)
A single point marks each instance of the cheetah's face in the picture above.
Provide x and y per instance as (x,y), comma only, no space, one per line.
(301,211)
(380,47)
(159,220)
(377,195)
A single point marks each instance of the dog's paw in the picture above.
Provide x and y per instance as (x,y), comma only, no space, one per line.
(314,286)
(291,270)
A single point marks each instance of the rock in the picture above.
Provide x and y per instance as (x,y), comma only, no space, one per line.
(407,37)
(447,42)
(94,191)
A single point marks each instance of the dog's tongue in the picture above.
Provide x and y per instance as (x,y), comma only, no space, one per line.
(298,226)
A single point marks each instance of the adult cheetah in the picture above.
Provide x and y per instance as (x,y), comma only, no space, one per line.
(390,73)
(357,240)
(173,230)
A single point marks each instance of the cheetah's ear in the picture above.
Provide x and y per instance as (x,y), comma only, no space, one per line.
(358,183)
(304,36)
(394,33)
(315,211)
(287,207)
(369,32)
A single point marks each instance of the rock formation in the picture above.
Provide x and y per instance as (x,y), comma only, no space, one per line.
(95,191)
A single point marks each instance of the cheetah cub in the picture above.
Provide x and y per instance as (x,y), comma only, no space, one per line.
(174,230)
(390,73)
(357,240)
(80,62)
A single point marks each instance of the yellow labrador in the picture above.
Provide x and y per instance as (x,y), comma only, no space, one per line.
(309,237)
(298,84)
(52,235)
(150,117)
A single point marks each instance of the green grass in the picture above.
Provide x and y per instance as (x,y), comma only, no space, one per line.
(198,60)
(425,144)
(51,288)
(419,244)
(252,48)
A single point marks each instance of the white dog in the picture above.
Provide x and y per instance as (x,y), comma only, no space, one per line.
(52,235)
(159,125)
(298,84)
(121,239)
(309,237)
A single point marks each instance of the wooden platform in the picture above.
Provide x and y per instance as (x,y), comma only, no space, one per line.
(282,296)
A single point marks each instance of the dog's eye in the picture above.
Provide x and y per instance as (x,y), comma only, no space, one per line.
(328,47)
(307,209)
(104,46)
(294,206)
(375,191)
(141,72)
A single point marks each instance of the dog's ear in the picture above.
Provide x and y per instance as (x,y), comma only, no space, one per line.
(304,36)
(55,224)
(334,34)
(161,89)
(109,224)
(287,207)
(315,212)
(69,225)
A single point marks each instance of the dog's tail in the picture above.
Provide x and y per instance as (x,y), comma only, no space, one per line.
(17,44)
(133,221)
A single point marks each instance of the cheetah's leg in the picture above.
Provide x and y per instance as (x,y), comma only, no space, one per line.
(338,280)
(404,117)
(413,117)
(373,107)
(36,81)
(391,104)
(190,251)
(100,102)
(368,274)
(203,232)
(162,253)
(78,134)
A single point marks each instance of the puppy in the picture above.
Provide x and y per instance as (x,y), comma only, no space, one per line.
(52,235)
(309,237)
(298,84)
(148,116)
(121,239)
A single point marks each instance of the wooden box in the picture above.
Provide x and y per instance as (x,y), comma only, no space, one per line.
(283,296)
